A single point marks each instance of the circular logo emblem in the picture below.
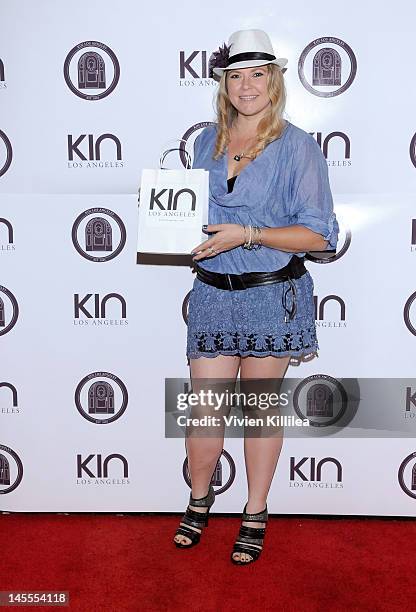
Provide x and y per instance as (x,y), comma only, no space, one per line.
(191,132)
(11,470)
(412,150)
(223,476)
(404,475)
(8,154)
(9,310)
(322,399)
(97,231)
(101,398)
(327,257)
(408,313)
(91,70)
(327,67)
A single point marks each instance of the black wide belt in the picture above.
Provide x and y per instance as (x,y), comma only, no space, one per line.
(237,282)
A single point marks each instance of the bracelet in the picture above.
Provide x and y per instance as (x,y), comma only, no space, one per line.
(258,242)
(254,237)
(247,240)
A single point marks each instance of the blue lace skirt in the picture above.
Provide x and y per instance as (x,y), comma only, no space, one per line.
(252,321)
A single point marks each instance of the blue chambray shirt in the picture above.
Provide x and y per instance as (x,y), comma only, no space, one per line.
(287,184)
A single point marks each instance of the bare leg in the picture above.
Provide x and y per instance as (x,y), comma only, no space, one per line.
(261,453)
(203,452)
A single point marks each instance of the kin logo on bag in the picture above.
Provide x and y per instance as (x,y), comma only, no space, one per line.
(172,198)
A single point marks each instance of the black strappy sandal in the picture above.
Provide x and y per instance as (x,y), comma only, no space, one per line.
(195,519)
(250,538)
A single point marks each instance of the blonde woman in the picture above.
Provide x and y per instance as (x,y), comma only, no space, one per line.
(251,307)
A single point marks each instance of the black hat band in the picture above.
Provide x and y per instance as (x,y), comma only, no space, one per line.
(252,55)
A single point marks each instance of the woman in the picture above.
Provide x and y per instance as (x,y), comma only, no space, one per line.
(251,307)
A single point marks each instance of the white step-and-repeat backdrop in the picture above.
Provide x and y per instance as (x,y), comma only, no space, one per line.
(90,94)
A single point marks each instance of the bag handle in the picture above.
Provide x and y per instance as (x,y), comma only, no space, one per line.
(162,159)
(182,150)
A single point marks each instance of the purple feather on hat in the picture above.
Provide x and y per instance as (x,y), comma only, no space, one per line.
(218,59)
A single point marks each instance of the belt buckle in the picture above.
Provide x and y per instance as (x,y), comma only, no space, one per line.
(230,285)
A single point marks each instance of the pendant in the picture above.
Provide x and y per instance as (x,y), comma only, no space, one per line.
(237,157)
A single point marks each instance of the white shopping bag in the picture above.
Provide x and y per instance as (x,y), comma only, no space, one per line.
(173,207)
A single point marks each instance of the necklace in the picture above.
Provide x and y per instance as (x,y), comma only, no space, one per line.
(238,157)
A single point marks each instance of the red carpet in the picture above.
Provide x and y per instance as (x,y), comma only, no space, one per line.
(127,563)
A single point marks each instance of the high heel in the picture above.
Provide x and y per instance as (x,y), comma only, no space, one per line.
(195,519)
(250,539)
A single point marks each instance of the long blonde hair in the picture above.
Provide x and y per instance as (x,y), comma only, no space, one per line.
(270,126)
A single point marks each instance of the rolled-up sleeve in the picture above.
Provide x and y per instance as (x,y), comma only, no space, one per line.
(311,198)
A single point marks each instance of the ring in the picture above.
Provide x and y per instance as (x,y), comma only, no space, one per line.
(213,250)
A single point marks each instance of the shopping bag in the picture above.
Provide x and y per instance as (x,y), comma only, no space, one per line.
(173,207)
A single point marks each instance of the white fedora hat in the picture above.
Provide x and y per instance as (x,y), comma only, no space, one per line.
(246,48)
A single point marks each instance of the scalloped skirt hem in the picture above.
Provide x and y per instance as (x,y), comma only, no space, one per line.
(296,357)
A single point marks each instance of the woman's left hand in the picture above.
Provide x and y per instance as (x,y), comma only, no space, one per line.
(227,236)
